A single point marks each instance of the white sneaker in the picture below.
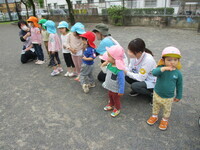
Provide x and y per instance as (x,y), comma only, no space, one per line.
(55,72)
(39,62)
(60,69)
(71,74)
(85,88)
(66,74)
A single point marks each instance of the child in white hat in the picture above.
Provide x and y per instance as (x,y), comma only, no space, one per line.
(169,78)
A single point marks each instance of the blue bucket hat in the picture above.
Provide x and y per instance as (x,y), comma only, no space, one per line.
(79,28)
(50,25)
(63,24)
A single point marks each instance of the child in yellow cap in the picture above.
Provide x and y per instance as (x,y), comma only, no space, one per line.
(169,78)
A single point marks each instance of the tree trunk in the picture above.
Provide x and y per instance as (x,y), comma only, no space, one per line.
(199,27)
(27,15)
(71,12)
(8,10)
(17,11)
(33,6)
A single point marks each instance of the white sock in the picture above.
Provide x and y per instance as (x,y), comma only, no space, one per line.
(164,119)
(155,116)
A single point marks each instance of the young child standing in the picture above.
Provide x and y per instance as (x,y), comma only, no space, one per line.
(75,45)
(169,78)
(36,38)
(54,46)
(87,67)
(64,30)
(115,77)
(45,34)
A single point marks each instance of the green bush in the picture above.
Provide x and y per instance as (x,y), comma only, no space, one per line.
(116,13)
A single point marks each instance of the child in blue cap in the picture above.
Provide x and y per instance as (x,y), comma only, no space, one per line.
(64,30)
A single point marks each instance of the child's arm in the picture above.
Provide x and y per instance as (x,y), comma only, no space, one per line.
(87,58)
(179,88)
(121,82)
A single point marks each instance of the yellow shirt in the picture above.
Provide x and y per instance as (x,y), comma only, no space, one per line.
(45,35)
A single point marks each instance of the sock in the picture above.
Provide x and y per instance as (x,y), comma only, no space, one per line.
(164,119)
(155,116)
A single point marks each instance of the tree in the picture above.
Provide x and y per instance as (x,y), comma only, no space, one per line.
(17,10)
(41,3)
(8,10)
(26,6)
(71,12)
(33,6)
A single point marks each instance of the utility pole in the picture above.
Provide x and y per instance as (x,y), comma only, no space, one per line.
(165,7)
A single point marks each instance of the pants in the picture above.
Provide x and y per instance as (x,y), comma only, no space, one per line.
(139,87)
(46,46)
(39,51)
(86,74)
(101,76)
(77,62)
(165,103)
(54,56)
(114,100)
(29,55)
(68,60)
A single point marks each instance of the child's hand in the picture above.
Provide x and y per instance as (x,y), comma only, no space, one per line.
(167,69)
(120,94)
(84,58)
(176,100)
(104,64)
(28,34)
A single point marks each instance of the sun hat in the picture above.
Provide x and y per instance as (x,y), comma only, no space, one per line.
(102,28)
(90,37)
(51,28)
(170,52)
(63,24)
(79,28)
(42,21)
(34,20)
(117,52)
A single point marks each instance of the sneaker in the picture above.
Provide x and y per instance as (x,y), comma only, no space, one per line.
(71,74)
(108,108)
(163,125)
(77,79)
(66,74)
(60,69)
(40,62)
(54,73)
(91,85)
(132,93)
(85,88)
(152,120)
(115,113)
(36,62)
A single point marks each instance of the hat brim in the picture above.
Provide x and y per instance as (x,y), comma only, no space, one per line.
(62,27)
(172,55)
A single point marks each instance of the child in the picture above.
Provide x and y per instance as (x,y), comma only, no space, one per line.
(54,46)
(89,55)
(115,78)
(75,45)
(45,34)
(169,78)
(36,39)
(64,30)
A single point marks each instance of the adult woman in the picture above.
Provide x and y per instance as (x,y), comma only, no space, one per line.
(139,71)
(28,52)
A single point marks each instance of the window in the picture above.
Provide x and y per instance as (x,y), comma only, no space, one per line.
(150,3)
(62,6)
(131,4)
(78,2)
(90,1)
(174,2)
(49,6)
(101,1)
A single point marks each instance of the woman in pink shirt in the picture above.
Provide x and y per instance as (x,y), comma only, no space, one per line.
(36,38)
(75,45)
(54,46)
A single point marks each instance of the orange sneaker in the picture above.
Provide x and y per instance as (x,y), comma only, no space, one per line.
(152,120)
(163,125)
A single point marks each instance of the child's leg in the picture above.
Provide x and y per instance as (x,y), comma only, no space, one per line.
(46,46)
(74,58)
(40,52)
(167,105)
(57,59)
(79,61)
(72,66)
(111,100)
(84,74)
(116,99)
(36,50)
(52,60)
(68,59)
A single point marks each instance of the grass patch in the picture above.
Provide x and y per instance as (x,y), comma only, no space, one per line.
(8,22)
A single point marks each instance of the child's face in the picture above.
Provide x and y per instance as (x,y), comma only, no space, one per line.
(30,24)
(171,61)
(76,35)
(85,42)
(62,30)
(98,35)
(111,59)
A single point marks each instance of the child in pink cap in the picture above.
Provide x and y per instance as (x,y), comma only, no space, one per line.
(169,79)
(115,78)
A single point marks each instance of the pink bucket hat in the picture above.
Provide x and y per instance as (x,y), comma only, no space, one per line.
(117,52)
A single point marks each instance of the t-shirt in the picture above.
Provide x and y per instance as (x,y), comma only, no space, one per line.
(36,36)
(45,35)
(106,42)
(54,44)
(64,39)
(167,82)
(75,43)
(89,53)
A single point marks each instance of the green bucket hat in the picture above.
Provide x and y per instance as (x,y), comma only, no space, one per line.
(102,28)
